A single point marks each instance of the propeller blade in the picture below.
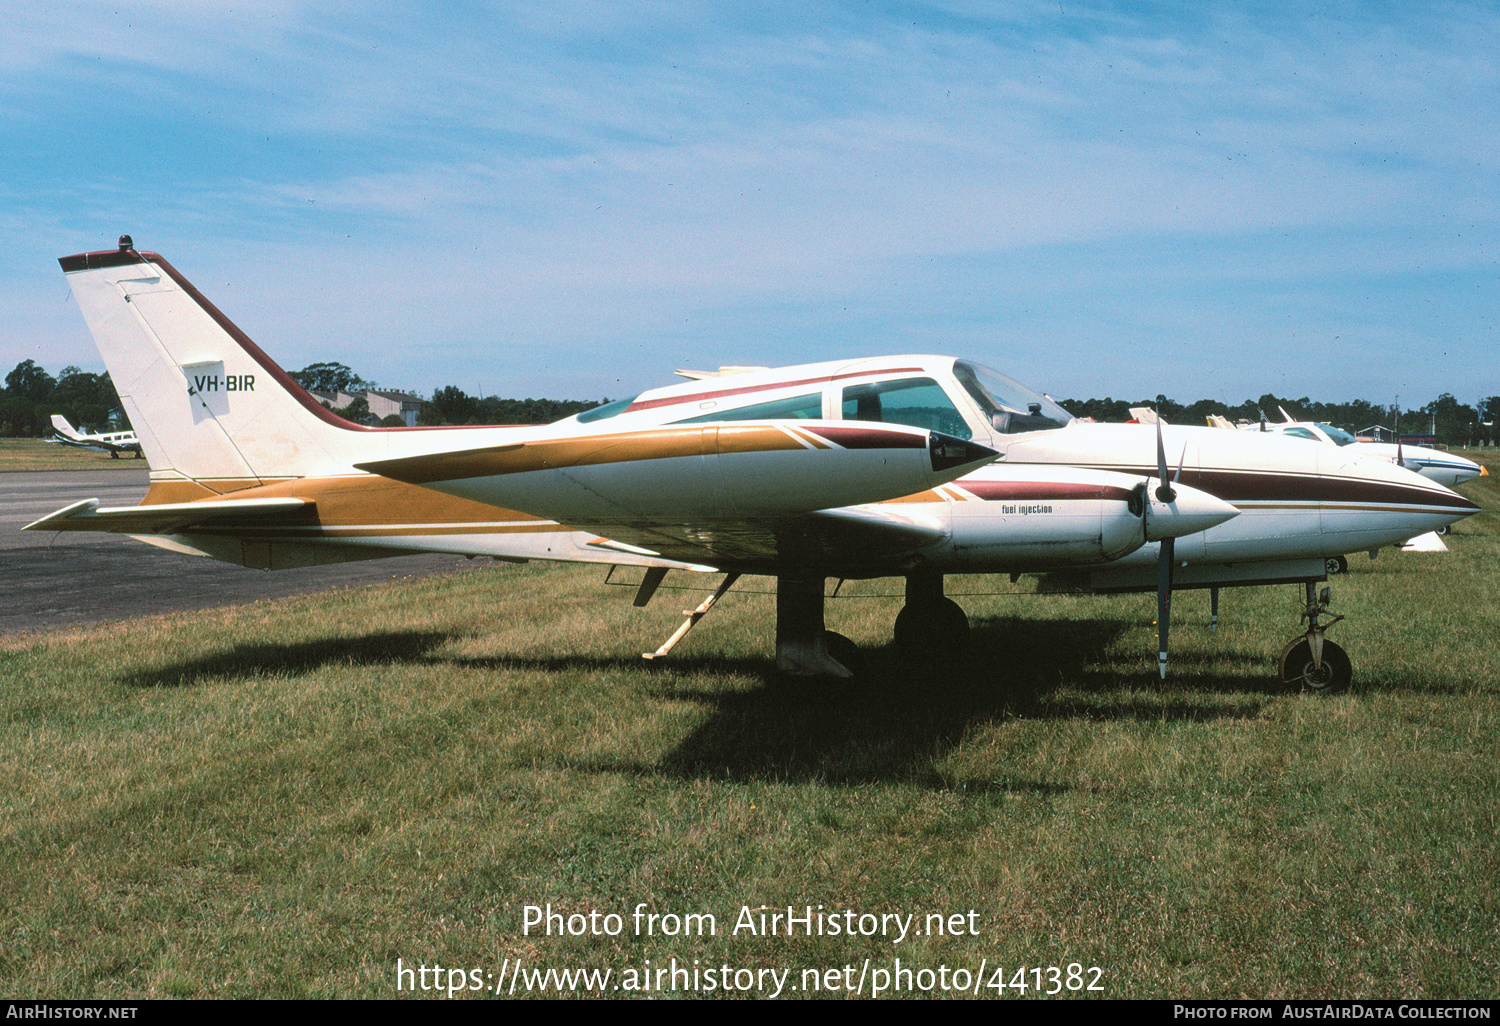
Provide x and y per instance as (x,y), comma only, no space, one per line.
(1164,490)
(1164,563)
(1181,460)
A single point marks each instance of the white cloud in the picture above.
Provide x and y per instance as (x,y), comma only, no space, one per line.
(581,173)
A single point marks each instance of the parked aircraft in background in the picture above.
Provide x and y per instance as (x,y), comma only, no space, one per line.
(1445,468)
(851,469)
(114,442)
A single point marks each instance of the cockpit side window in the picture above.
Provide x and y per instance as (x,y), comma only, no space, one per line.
(1300,432)
(797,407)
(915,402)
(1009,405)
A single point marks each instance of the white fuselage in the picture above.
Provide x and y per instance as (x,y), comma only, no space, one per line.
(1446,468)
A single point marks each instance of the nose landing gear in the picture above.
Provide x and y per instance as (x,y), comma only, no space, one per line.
(1317,665)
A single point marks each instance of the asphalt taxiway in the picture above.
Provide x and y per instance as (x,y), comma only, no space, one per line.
(63,579)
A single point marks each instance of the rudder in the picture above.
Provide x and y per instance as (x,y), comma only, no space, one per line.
(205,402)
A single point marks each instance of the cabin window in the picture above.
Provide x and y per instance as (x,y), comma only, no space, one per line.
(797,407)
(915,402)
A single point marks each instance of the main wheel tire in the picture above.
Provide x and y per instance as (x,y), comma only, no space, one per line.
(846,652)
(1445,529)
(937,628)
(1335,565)
(1329,679)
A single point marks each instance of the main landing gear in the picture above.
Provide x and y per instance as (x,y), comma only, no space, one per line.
(929,625)
(803,647)
(1310,661)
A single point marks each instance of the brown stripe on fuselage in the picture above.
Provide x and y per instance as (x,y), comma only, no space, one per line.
(927,496)
(553,454)
(593,450)
(1251,486)
(368,500)
(202,488)
(751,438)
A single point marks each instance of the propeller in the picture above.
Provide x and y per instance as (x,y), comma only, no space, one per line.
(1167,554)
(1400,460)
(1168,508)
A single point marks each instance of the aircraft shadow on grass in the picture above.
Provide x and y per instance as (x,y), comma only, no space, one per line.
(892,725)
(270,658)
(900,719)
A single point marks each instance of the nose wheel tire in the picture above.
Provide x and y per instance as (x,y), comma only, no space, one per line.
(1333,676)
(1335,565)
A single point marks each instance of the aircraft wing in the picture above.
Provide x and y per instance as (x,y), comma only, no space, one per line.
(166,518)
(850,535)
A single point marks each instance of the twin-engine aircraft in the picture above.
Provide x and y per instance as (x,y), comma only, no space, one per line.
(851,469)
(112,442)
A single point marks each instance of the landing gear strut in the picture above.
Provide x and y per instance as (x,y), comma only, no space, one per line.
(1318,666)
(803,647)
(930,623)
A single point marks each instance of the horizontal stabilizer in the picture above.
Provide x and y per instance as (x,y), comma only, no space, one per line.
(165,518)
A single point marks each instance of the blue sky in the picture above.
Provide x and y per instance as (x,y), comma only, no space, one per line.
(572,199)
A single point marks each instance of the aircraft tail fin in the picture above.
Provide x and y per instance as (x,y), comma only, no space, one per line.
(205,401)
(61,426)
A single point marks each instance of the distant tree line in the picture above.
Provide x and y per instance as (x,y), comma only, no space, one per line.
(452,405)
(448,405)
(32,396)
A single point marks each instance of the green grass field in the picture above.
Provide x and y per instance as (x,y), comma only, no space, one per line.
(283,799)
(36,454)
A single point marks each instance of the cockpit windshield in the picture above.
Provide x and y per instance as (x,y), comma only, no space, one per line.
(1009,405)
(1337,435)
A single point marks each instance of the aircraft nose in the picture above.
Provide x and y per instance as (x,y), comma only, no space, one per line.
(949,453)
(1190,511)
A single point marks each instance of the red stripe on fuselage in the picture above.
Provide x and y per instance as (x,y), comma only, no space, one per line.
(697,397)
(1251,486)
(867,438)
(1040,491)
